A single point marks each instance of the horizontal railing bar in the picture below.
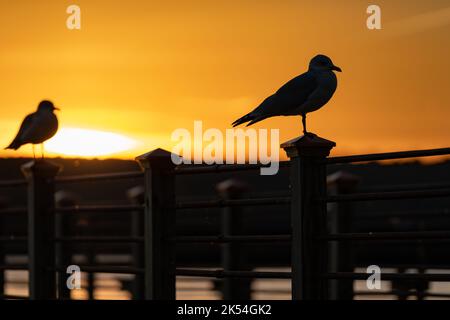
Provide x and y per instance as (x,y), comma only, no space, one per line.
(14,267)
(378,214)
(403,293)
(232,274)
(391,292)
(228,239)
(387,195)
(99,239)
(269,194)
(408,266)
(388,156)
(388,276)
(271,291)
(99,177)
(216,168)
(232,202)
(18,210)
(125,269)
(405,187)
(12,239)
(437,295)
(104,269)
(413,235)
(412,241)
(100,208)
(13,183)
(13,297)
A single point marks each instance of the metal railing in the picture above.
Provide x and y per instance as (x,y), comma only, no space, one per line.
(384,193)
(307,201)
(45,258)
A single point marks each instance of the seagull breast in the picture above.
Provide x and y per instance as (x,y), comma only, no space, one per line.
(43,126)
(326,86)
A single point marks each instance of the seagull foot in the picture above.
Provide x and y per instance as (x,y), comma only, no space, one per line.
(309,134)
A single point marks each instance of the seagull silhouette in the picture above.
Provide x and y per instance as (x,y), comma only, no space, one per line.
(37,127)
(305,93)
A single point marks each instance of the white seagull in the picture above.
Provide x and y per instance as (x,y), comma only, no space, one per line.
(37,127)
(305,93)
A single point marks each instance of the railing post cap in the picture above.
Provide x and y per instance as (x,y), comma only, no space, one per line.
(65,198)
(343,178)
(158,157)
(308,145)
(136,194)
(40,168)
(231,188)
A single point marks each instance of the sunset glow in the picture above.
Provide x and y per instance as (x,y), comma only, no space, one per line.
(88,143)
(147,68)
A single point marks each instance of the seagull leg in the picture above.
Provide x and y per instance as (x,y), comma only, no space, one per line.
(34,154)
(42,150)
(305,132)
(304,124)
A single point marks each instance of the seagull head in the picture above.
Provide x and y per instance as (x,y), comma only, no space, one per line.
(322,63)
(46,106)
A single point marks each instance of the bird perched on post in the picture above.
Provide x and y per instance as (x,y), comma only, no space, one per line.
(305,93)
(37,127)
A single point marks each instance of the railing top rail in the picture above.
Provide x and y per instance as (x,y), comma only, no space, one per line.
(229,239)
(216,168)
(13,210)
(390,276)
(388,156)
(403,213)
(104,269)
(219,273)
(406,187)
(390,195)
(100,208)
(13,183)
(99,177)
(397,235)
(220,203)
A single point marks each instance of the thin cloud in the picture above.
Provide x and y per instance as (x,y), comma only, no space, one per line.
(418,23)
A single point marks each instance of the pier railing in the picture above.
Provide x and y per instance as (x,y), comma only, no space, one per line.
(316,253)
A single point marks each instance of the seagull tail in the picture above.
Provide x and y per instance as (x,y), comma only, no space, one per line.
(14,145)
(244,119)
(255,120)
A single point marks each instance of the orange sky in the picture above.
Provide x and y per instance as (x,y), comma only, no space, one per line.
(146,68)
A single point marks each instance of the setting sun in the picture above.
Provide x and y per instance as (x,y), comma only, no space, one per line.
(85,142)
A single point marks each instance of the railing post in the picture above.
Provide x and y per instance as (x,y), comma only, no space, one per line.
(308,215)
(159,224)
(41,228)
(340,221)
(233,254)
(136,196)
(63,250)
(2,250)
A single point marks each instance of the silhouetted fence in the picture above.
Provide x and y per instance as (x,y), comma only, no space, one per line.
(321,262)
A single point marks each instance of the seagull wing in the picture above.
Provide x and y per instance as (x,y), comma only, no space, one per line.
(296,92)
(285,101)
(24,127)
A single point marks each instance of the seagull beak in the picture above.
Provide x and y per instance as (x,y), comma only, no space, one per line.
(336,69)
(55,108)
